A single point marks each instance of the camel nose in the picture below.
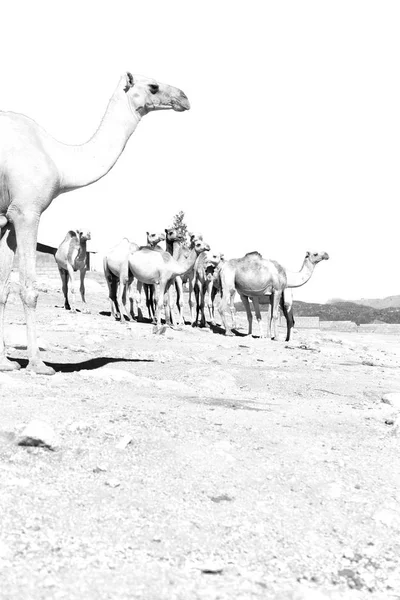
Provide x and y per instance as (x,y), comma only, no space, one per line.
(183,101)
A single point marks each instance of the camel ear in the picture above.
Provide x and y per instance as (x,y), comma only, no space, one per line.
(222,257)
(130,82)
(308,254)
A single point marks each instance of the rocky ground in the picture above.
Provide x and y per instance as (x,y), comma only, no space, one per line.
(193,466)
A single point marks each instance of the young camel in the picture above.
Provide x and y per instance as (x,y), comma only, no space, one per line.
(116,272)
(35,168)
(71,256)
(252,277)
(204,270)
(153,239)
(174,245)
(151,267)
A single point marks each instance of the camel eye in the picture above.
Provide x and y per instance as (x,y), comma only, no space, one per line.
(153,87)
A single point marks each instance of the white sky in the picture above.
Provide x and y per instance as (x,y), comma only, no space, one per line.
(292,142)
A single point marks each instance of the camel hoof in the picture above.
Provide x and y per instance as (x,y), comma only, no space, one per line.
(39,368)
(9,365)
(229,333)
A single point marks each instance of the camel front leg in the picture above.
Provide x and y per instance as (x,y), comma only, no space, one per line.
(275,301)
(179,298)
(256,304)
(64,285)
(191,302)
(26,227)
(71,278)
(7,251)
(82,272)
(246,304)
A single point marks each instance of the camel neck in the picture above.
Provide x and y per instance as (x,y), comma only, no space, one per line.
(186,263)
(299,278)
(79,166)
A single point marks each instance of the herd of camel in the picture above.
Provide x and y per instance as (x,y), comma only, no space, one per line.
(35,168)
(207,273)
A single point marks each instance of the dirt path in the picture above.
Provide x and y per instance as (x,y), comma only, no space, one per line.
(254,468)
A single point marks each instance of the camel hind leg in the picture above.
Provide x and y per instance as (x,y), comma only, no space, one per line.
(7,251)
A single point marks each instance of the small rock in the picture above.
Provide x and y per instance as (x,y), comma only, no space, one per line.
(113,483)
(123,443)
(222,498)
(38,433)
(100,469)
(392,398)
(79,426)
(212,567)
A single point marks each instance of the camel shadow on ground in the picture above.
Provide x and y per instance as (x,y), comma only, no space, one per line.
(86,365)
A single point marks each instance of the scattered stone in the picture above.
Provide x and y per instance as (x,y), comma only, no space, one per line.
(113,483)
(79,426)
(100,469)
(38,433)
(212,567)
(123,443)
(392,398)
(386,516)
(222,498)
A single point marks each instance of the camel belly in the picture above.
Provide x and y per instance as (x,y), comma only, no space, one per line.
(145,268)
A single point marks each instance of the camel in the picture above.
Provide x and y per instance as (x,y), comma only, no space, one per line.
(116,272)
(153,240)
(35,168)
(252,276)
(176,246)
(70,257)
(294,279)
(151,266)
(204,270)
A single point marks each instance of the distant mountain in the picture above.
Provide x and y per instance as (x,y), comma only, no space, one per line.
(389,302)
(347,311)
(342,311)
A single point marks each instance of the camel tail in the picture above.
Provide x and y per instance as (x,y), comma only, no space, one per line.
(288,314)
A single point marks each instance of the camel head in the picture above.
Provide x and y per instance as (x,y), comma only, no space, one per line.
(200,246)
(83,234)
(145,94)
(316,257)
(213,259)
(194,237)
(154,238)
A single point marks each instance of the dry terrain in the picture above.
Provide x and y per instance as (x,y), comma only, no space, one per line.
(191,465)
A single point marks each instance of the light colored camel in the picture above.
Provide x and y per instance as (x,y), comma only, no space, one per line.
(175,246)
(116,272)
(204,270)
(71,256)
(153,239)
(35,168)
(151,267)
(294,279)
(252,276)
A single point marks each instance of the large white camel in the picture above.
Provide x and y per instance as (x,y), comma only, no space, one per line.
(35,168)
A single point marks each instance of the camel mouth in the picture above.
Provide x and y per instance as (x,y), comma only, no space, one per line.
(180,103)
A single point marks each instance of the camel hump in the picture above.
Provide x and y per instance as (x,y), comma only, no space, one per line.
(253,254)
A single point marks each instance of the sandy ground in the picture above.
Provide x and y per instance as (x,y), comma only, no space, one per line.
(190,465)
